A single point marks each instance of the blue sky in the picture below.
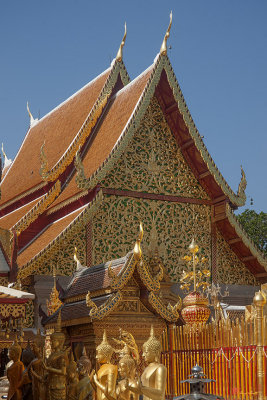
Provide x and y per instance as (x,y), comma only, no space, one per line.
(50,49)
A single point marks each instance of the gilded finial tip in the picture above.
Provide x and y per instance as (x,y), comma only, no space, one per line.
(119,54)
(163,49)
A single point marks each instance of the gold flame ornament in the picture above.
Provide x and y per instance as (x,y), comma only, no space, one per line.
(137,248)
(163,49)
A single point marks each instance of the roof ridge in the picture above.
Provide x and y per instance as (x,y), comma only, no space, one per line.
(38,208)
(161,63)
(85,215)
(238,200)
(117,69)
(53,110)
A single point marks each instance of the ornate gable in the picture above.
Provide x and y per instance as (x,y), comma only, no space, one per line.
(153,162)
(168,228)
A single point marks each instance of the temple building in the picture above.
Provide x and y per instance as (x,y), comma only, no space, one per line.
(115,153)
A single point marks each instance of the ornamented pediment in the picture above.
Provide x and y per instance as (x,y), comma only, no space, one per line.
(153,162)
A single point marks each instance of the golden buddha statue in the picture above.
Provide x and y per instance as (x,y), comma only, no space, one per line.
(14,372)
(105,379)
(153,380)
(56,365)
(84,390)
(72,379)
(37,371)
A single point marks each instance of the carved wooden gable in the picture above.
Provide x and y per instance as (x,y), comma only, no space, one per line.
(153,162)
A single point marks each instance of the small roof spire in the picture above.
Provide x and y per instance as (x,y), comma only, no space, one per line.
(119,54)
(7,161)
(32,120)
(163,49)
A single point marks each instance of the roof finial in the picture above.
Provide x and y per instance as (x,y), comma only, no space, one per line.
(75,257)
(163,49)
(119,54)
(137,248)
(242,185)
(32,120)
(7,161)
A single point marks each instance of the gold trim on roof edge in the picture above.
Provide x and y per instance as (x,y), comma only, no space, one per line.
(170,314)
(245,238)
(32,190)
(39,208)
(50,175)
(106,308)
(162,62)
(83,218)
(152,283)
(118,281)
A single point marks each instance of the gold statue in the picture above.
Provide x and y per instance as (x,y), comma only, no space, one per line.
(84,390)
(14,372)
(129,357)
(37,370)
(56,365)
(105,379)
(72,379)
(153,380)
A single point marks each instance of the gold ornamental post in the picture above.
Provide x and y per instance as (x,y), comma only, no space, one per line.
(259,301)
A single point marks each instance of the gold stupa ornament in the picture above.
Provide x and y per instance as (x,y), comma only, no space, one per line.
(195,304)
(54,303)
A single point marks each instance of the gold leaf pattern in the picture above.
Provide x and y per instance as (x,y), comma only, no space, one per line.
(230,269)
(153,162)
(115,225)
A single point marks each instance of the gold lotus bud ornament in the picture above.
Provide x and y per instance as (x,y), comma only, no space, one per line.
(193,247)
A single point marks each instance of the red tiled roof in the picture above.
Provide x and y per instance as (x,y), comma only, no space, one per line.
(111,127)
(73,311)
(12,218)
(57,129)
(46,237)
(93,278)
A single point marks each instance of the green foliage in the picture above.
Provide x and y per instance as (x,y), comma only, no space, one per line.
(256,227)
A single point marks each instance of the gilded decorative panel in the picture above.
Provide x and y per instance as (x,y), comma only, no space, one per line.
(62,256)
(153,162)
(168,228)
(230,269)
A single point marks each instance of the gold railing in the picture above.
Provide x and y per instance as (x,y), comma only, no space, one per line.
(234,353)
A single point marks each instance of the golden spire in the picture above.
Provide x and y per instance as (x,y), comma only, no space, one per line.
(119,54)
(163,49)
(137,248)
(54,302)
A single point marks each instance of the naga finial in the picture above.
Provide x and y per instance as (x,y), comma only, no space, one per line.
(32,120)
(242,185)
(119,54)
(163,49)
(7,161)
(137,248)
